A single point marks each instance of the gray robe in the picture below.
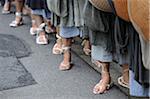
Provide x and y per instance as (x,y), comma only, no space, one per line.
(67,13)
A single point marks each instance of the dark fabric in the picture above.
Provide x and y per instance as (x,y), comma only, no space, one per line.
(37,4)
(121,36)
(136,63)
(127,41)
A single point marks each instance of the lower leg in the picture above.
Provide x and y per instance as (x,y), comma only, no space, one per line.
(66,63)
(125,72)
(41,35)
(19,5)
(87,47)
(38,19)
(33,29)
(49,28)
(67,54)
(103,85)
(7,5)
(19,8)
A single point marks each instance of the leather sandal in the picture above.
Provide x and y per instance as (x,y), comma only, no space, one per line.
(122,82)
(5,11)
(57,50)
(15,23)
(87,51)
(64,67)
(44,40)
(102,86)
(33,30)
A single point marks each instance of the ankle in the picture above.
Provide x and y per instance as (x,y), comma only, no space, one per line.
(18,16)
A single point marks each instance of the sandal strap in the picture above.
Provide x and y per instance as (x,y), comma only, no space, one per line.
(42,26)
(40,29)
(126,70)
(83,42)
(33,21)
(59,37)
(100,65)
(66,48)
(19,14)
(107,85)
(122,82)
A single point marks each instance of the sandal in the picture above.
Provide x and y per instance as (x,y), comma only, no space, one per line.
(5,11)
(102,86)
(57,50)
(15,23)
(87,51)
(33,30)
(38,38)
(44,40)
(64,67)
(122,82)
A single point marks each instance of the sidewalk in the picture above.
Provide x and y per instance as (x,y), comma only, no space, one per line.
(52,83)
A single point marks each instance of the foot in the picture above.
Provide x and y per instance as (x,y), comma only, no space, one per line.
(34,28)
(57,49)
(87,51)
(42,39)
(87,47)
(103,85)
(65,66)
(122,82)
(66,63)
(18,20)
(105,81)
(33,31)
(124,79)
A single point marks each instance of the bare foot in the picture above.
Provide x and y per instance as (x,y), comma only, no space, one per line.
(87,47)
(41,39)
(66,63)
(103,85)
(105,81)
(57,49)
